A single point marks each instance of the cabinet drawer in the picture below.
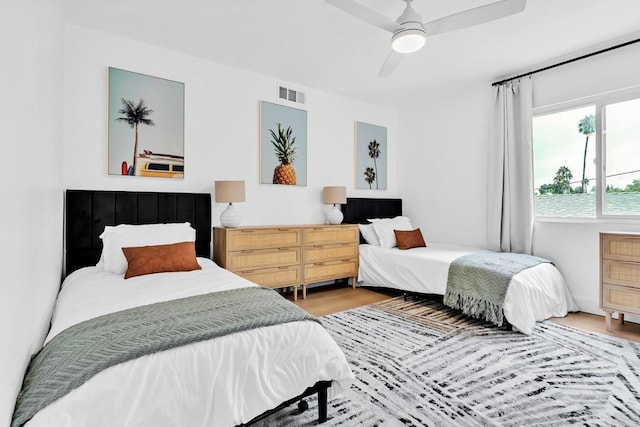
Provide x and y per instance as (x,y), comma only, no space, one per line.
(621,273)
(274,277)
(260,258)
(621,298)
(258,239)
(336,234)
(321,253)
(625,248)
(330,270)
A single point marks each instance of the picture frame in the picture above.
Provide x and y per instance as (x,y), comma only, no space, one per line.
(145,125)
(283,145)
(370,156)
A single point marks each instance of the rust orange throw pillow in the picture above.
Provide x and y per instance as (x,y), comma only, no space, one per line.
(409,239)
(160,259)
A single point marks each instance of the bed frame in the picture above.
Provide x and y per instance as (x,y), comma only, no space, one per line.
(87,212)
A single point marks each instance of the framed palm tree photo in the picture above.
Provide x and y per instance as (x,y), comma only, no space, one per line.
(146,125)
(371,156)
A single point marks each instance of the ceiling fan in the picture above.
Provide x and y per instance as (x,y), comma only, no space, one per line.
(410,34)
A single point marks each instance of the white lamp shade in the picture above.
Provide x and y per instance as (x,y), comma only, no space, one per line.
(335,194)
(229,191)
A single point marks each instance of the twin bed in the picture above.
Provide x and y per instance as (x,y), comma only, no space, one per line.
(228,379)
(234,379)
(534,294)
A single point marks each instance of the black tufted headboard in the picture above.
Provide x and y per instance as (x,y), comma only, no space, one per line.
(357,210)
(87,212)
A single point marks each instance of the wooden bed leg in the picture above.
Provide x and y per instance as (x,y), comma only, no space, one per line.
(322,404)
(304,291)
(354,281)
(295,293)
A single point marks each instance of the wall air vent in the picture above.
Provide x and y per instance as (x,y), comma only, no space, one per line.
(290,95)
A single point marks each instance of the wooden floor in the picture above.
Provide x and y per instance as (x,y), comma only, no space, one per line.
(334,298)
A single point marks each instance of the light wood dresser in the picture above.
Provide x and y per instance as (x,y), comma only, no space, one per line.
(619,275)
(289,256)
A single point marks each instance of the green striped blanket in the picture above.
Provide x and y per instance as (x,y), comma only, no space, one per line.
(81,351)
(477,283)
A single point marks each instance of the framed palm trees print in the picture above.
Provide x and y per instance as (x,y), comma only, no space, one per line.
(283,145)
(371,156)
(146,125)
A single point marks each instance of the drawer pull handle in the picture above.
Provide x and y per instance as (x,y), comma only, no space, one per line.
(347,260)
(283,267)
(284,229)
(318,246)
(247,231)
(248,251)
(283,249)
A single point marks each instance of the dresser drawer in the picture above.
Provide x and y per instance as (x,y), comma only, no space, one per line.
(321,253)
(623,273)
(261,258)
(625,248)
(622,298)
(274,277)
(330,270)
(258,239)
(335,234)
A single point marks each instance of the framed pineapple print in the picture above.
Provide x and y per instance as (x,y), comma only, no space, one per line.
(371,156)
(146,125)
(283,145)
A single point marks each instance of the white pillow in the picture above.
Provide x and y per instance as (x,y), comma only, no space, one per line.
(125,235)
(369,234)
(384,229)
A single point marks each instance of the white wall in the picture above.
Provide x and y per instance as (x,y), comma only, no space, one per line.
(31,111)
(221,129)
(442,164)
(443,175)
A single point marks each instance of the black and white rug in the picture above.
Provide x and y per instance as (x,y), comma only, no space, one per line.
(418,363)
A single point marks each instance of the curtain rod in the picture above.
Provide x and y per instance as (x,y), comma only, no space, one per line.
(568,61)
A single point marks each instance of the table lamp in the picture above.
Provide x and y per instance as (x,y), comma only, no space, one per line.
(334,195)
(229,192)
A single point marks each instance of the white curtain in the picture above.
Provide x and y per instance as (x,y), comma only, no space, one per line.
(510,195)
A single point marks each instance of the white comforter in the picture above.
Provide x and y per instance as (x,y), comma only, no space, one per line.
(220,382)
(534,294)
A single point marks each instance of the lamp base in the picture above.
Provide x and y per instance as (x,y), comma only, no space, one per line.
(230,218)
(334,216)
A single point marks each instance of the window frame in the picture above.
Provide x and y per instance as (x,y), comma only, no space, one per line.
(599,102)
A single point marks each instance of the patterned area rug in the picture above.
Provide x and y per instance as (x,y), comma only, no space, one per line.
(418,363)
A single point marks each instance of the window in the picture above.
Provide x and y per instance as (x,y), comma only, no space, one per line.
(587,159)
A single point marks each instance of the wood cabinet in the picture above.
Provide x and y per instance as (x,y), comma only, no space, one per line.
(619,275)
(284,256)
(330,252)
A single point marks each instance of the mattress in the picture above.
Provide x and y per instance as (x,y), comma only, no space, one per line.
(534,294)
(223,382)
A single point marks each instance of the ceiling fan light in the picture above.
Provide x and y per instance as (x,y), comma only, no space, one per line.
(408,41)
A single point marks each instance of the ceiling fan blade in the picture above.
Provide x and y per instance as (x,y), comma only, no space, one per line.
(356,9)
(475,16)
(390,63)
